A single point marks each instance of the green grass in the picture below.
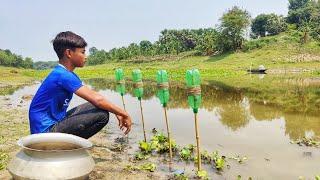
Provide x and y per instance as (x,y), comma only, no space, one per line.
(13,78)
(281,53)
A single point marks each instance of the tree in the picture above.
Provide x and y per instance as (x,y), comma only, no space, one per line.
(232,29)
(315,25)
(97,56)
(7,58)
(134,50)
(258,26)
(268,24)
(93,50)
(28,63)
(301,11)
(145,47)
(275,24)
(206,41)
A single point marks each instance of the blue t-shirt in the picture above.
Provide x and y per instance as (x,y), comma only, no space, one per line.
(51,101)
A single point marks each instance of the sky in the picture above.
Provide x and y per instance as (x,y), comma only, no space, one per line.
(27,27)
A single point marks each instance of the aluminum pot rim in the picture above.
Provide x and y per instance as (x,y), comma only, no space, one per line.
(54,137)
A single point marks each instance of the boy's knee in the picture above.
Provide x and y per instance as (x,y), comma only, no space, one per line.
(103,116)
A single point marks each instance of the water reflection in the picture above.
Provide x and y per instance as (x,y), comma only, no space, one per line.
(235,108)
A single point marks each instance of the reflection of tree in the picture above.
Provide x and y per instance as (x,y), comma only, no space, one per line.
(263,112)
(297,125)
(149,88)
(229,103)
(226,98)
(234,115)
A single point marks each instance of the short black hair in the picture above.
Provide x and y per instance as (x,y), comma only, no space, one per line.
(67,40)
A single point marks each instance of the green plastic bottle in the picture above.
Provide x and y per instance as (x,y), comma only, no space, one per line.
(193,81)
(163,88)
(138,86)
(120,87)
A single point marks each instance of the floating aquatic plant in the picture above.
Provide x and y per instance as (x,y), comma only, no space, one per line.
(202,174)
(305,141)
(180,177)
(159,143)
(219,161)
(239,158)
(147,167)
(185,154)
(147,147)
(141,156)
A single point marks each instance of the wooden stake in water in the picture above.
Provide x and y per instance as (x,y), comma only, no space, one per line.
(142,119)
(169,138)
(124,105)
(194,101)
(198,141)
(163,95)
(138,92)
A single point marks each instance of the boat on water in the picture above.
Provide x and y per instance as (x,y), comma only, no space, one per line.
(257,71)
(260,70)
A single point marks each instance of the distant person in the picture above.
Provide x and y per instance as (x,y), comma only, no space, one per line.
(48,108)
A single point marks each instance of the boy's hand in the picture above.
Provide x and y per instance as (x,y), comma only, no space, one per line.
(124,122)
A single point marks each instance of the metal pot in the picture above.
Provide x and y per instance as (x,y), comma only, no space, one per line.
(52,156)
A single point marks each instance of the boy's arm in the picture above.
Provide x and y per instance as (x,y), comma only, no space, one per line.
(99,101)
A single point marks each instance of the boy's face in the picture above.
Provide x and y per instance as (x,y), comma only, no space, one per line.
(78,57)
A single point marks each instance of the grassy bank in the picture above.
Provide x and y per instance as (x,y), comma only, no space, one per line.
(13,78)
(281,55)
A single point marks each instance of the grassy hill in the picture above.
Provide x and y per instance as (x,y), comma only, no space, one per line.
(281,55)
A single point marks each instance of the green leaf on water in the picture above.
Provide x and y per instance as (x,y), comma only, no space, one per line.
(160,137)
(148,167)
(219,163)
(191,147)
(185,154)
(202,174)
(239,158)
(146,147)
(141,156)
(180,177)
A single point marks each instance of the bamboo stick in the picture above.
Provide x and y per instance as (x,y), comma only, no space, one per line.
(124,106)
(144,131)
(168,131)
(198,141)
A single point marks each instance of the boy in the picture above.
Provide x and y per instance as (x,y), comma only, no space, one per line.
(47,111)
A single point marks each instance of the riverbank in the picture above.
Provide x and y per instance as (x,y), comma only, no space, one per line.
(110,164)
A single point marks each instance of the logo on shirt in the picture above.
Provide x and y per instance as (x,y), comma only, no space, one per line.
(66,102)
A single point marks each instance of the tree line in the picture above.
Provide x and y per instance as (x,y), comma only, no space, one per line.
(233,33)
(7,58)
(230,35)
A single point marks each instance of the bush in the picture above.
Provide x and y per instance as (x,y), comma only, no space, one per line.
(258,43)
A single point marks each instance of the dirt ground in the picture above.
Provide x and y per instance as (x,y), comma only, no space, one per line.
(110,163)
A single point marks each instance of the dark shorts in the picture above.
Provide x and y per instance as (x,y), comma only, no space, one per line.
(84,120)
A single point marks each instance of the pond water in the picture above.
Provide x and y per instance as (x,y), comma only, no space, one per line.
(234,122)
